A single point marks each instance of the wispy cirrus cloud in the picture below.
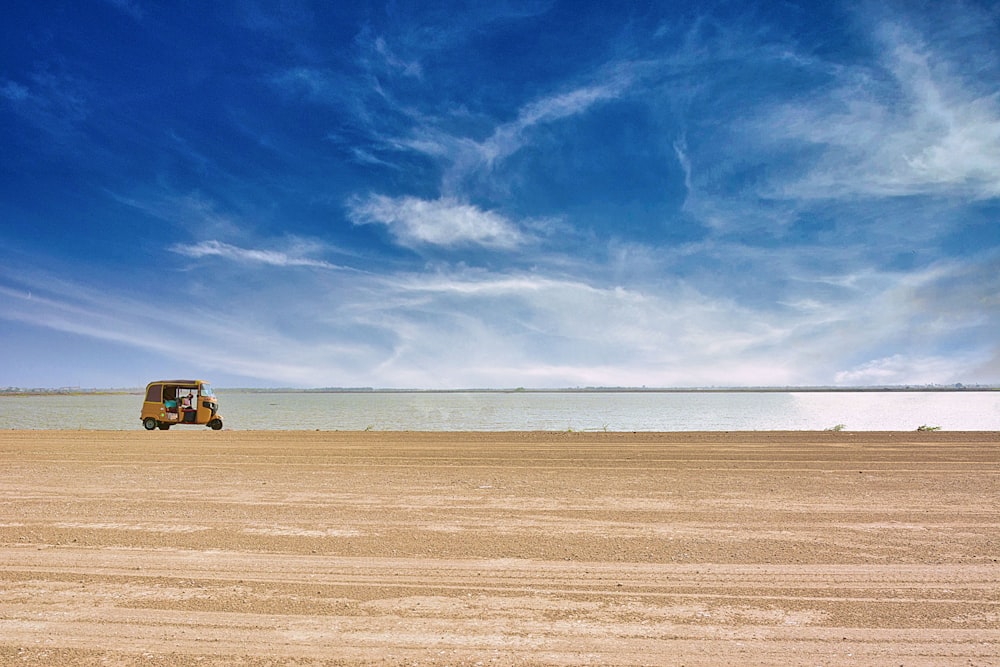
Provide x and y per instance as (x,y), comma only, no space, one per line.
(467,328)
(50,99)
(465,159)
(511,330)
(129,7)
(464,147)
(242,346)
(410,68)
(315,84)
(192,211)
(911,126)
(215,248)
(445,222)
(509,137)
(14,92)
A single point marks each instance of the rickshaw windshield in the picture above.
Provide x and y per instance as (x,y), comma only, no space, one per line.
(206,390)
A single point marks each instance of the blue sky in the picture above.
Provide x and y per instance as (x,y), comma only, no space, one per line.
(536,194)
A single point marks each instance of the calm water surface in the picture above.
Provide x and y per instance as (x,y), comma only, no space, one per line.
(617,411)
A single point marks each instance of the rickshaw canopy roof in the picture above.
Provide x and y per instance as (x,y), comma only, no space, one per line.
(193,382)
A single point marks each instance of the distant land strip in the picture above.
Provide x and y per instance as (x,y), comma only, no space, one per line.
(77,391)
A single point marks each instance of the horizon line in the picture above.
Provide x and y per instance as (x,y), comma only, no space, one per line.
(958,386)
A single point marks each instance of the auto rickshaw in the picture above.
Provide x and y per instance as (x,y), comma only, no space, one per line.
(170,402)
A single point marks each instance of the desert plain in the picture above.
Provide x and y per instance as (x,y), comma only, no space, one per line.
(195,547)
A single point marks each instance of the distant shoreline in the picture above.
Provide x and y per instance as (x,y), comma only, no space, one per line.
(77,391)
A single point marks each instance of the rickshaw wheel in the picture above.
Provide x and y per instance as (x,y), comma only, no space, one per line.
(164,427)
(149,423)
(215,424)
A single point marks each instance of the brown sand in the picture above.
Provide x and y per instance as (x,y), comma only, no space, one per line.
(264,548)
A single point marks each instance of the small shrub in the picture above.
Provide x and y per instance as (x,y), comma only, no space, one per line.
(838,427)
(925,427)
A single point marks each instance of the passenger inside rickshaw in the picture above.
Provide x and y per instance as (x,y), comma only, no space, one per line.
(188,406)
(170,399)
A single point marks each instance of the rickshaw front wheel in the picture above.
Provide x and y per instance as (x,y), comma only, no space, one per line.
(149,423)
(215,424)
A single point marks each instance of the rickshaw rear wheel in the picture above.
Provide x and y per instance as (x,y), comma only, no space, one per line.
(149,423)
(164,427)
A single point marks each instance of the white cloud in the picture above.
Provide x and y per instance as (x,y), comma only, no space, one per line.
(450,221)
(464,158)
(510,137)
(315,84)
(900,369)
(475,328)
(680,149)
(260,334)
(65,306)
(410,68)
(511,330)
(53,100)
(912,126)
(14,92)
(444,222)
(129,7)
(235,253)
(192,211)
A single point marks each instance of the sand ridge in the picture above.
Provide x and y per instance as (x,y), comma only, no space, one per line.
(406,548)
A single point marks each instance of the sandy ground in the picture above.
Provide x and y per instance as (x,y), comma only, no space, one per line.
(316,548)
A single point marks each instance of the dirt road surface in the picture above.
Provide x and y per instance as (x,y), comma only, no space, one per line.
(331,548)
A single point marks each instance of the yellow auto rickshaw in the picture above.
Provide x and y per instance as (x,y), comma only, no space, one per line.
(170,402)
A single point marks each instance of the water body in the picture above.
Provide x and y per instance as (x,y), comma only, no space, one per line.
(532,411)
